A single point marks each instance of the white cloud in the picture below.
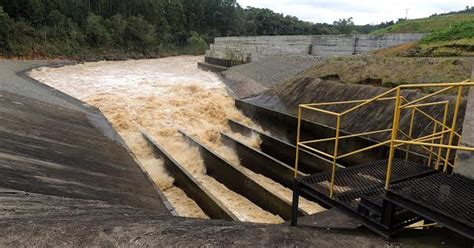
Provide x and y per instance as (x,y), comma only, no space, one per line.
(363,12)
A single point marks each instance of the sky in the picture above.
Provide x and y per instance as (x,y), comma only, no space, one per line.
(363,11)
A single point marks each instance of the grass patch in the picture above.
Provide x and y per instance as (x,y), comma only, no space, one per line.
(463,47)
(426,25)
(451,39)
(458,31)
(456,40)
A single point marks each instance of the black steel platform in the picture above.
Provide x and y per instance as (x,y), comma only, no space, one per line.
(360,191)
(353,182)
(442,198)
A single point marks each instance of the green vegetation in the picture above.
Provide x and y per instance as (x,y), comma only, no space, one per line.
(196,44)
(459,31)
(140,28)
(116,29)
(426,25)
(451,34)
(456,40)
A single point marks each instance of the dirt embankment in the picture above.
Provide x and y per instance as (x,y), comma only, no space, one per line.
(461,48)
(392,71)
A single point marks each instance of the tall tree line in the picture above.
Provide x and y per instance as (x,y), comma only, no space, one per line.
(141,27)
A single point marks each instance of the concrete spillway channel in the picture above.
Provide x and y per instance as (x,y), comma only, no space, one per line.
(224,172)
(193,189)
(236,180)
(260,162)
(285,152)
(283,126)
(269,160)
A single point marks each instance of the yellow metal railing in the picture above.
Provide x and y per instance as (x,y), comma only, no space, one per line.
(435,144)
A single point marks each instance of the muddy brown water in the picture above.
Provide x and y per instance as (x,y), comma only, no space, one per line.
(162,96)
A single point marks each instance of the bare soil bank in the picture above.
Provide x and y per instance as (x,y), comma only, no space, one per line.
(392,71)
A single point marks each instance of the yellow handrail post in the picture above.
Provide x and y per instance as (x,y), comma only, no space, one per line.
(396,120)
(435,128)
(453,127)
(410,132)
(334,161)
(298,132)
(441,141)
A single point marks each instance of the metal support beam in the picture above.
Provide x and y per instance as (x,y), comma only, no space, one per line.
(295,202)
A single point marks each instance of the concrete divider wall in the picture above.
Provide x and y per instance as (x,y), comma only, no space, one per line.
(258,47)
(340,45)
(252,48)
(464,163)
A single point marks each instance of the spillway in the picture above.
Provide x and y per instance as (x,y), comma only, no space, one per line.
(163,96)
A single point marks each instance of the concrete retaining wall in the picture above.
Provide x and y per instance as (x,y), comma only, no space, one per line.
(257,47)
(341,45)
(464,163)
(254,48)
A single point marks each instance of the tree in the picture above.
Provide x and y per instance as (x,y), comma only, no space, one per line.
(140,35)
(96,33)
(197,45)
(73,27)
(117,26)
(5,27)
(344,26)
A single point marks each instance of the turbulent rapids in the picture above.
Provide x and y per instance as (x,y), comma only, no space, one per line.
(162,96)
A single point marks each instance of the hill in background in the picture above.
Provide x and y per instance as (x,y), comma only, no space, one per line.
(426,25)
(451,34)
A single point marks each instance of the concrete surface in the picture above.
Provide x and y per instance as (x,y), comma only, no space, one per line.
(331,218)
(190,185)
(52,150)
(254,48)
(13,80)
(54,144)
(34,220)
(465,160)
(348,44)
(251,79)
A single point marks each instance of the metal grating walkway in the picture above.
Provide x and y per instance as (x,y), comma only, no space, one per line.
(359,191)
(353,182)
(449,195)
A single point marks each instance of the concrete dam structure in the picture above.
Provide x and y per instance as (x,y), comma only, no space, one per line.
(229,51)
(65,167)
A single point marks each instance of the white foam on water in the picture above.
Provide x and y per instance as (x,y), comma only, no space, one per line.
(162,96)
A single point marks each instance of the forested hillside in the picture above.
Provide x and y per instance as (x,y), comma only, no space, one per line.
(140,28)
